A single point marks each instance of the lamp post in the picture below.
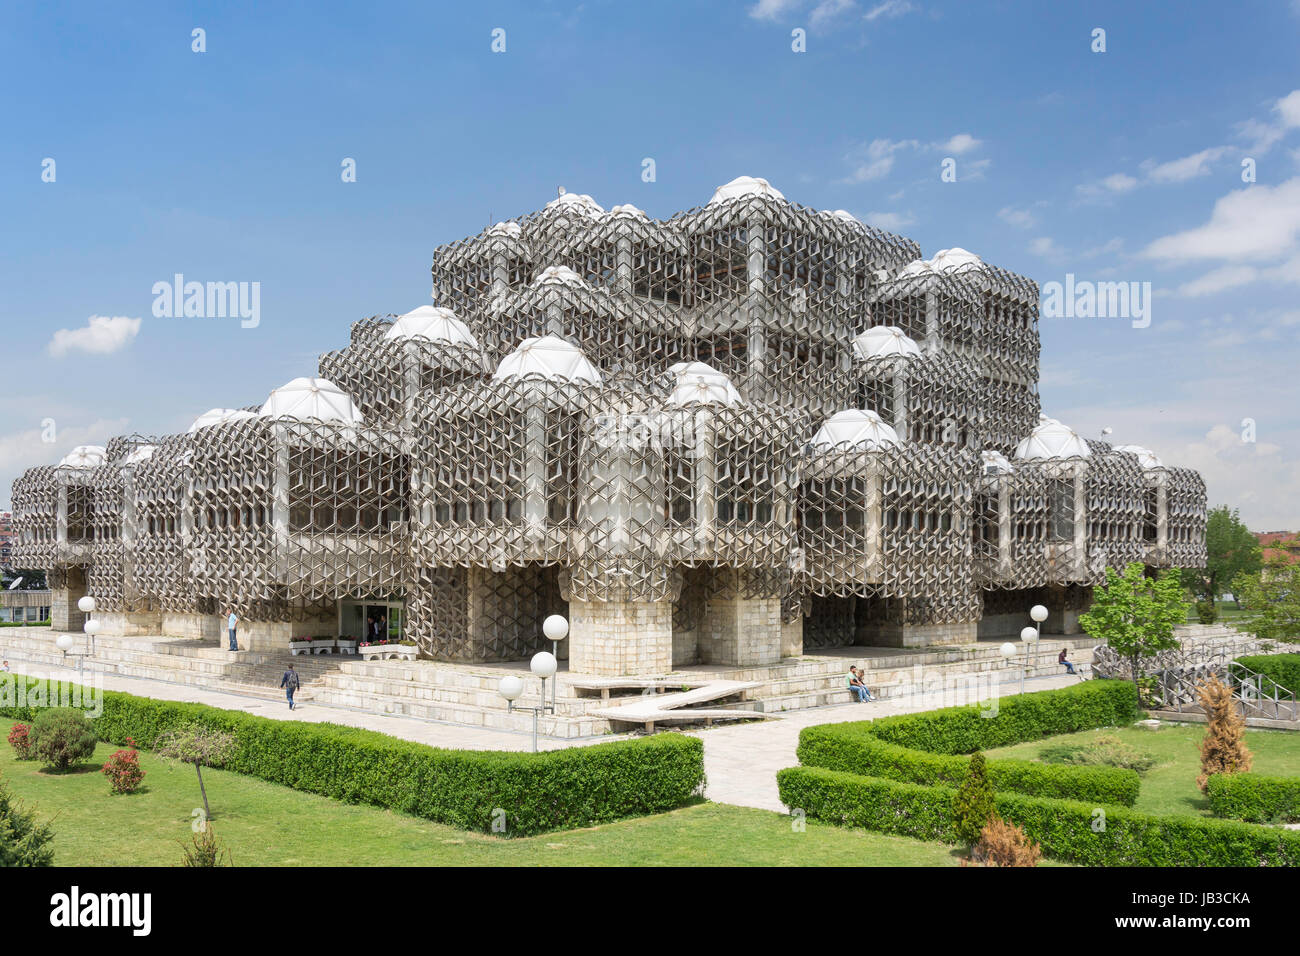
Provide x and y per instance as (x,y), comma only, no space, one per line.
(86,605)
(544,666)
(556,629)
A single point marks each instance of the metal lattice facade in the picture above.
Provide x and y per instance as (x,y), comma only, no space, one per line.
(723,436)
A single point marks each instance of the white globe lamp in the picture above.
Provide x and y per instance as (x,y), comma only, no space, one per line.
(1038,613)
(555,627)
(86,604)
(64,641)
(1029,635)
(1008,650)
(510,687)
(543,664)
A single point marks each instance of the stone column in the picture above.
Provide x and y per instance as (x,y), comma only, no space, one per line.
(620,638)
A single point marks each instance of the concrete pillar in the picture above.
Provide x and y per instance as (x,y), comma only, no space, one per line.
(64,613)
(535,472)
(792,637)
(705,478)
(620,638)
(931,344)
(741,631)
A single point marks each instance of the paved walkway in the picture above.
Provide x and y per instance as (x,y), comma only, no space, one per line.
(740,760)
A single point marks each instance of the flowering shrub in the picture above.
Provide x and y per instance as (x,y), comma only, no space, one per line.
(21,741)
(123,770)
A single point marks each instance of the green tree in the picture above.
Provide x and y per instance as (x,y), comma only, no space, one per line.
(1136,615)
(973,804)
(199,747)
(1272,600)
(62,736)
(23,841)
(1231,551)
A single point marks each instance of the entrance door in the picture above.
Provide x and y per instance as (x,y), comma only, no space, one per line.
(368,621)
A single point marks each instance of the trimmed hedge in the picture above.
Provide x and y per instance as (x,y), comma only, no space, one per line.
(923,748)
(559,789)
(1064,828)
(1254,797)
(1284,669)
(856,751)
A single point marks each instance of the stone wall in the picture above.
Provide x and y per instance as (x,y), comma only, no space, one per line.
(620,638)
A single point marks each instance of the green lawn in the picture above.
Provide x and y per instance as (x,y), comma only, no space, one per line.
(1170,786)
(268,825)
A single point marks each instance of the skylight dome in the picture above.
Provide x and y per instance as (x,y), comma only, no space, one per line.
(550,357)
(1052,440)
(433,324)
(143,453)
(214,416)
(1146,457)
(698,382)
(743,187)
(883,340)
(559,275)
(305,398)
(576,203)
(995,463)
(856,428)
(84,456)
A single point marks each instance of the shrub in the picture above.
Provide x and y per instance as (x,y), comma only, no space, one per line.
(1106,750)
(1254,798)
(1223,750)
(1206,612)
(205,849)
(20,739)
(972,805)
(1005,844)
(523,793)
(62,736)
(923,748)
(1283,669)
(1066,829)
(200,747)
(123,770)
(23,841)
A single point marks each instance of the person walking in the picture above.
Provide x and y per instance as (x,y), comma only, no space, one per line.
(290,682)
(232,622)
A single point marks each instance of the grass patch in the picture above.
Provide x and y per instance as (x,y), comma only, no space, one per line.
(265,824)
(1170,785)
(1104,751)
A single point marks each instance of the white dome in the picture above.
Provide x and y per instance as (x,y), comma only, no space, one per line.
(955,259)
(551,357)
(311,398)
(559,275)
(510,230)
(84,456)
(433,324)
(579,203)
(882,340)
(1051,439)
(995,463)
(628,210)
(697,382)
(143,453)
(742,187)
(1146,457)
(215,416)
(844,216)
(856,428)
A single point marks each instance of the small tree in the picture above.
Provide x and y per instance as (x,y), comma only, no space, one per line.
(123,770)
(1231,551)
(1136,615)
(23,841)
(20,739)
(1005,844)
(200,747)
(205,849)
(973,804)
(1224,748)
(1272,600)
(60,736)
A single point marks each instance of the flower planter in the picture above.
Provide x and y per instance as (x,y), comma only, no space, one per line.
(346,646)
(299,647)
(322,647)
(387,652)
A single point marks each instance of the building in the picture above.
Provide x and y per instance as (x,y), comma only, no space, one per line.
(726,437)
(6,539)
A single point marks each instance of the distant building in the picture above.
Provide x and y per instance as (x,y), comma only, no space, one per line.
(1279,544)
(6,539)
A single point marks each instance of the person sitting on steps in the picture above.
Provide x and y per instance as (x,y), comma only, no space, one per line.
(859,686)
(1064,658)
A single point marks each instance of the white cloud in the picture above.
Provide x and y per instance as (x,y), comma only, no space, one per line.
(1257,223)
(961,143)
(1109,186)
(1261,136)
(1046,247)
(889,10)
(27,449)
(892,221)
(876,159)
(828,10)
(1020,218)
(101,335)
(773,9)
(1181,170)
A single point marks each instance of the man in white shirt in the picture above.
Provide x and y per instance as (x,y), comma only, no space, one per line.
(232,621)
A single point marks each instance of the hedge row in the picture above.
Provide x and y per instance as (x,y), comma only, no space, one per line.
(963,730)
(528,793)
(854,750)
(923,748)
(1255,798)
(1284,669)
(1065,829)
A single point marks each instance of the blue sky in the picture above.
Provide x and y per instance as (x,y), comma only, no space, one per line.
(1123,165)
